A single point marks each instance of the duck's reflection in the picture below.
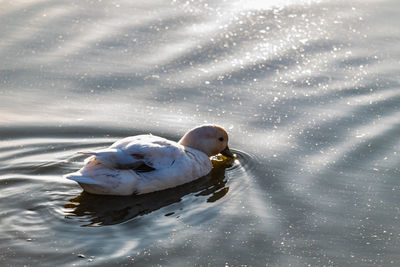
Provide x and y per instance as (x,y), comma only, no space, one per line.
(98,210)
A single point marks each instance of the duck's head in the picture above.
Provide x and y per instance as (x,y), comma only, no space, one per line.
(210,139)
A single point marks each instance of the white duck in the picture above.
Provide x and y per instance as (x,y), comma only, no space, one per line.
(146,163)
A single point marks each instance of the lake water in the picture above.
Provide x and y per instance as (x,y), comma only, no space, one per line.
(308,90)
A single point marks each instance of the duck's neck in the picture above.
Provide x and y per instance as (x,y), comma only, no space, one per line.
(193,142)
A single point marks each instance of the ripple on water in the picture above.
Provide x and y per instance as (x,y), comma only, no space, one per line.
(42,212)
(108,210)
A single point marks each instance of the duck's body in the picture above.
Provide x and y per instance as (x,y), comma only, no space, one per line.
(146,163)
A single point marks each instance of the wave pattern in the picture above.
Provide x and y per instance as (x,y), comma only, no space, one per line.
(43,211)
(308,90)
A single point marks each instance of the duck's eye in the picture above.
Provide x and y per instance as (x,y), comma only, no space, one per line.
(221,139)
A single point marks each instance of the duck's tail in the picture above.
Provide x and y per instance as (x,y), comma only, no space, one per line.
(77,177)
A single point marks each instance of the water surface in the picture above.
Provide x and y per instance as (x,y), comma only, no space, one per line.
(308,90)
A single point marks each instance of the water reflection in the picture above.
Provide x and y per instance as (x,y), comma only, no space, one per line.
(97,210)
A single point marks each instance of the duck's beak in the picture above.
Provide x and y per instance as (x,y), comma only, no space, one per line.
(227,153)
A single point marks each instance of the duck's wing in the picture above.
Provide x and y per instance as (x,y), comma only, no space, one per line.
(155,152)
(142,153)
(118,159)
(143,167)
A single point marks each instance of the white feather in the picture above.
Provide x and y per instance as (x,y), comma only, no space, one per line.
(107,171)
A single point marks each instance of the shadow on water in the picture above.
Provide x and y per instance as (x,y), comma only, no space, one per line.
(96,210)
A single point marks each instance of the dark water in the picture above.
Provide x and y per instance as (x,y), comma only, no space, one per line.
(309,92)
